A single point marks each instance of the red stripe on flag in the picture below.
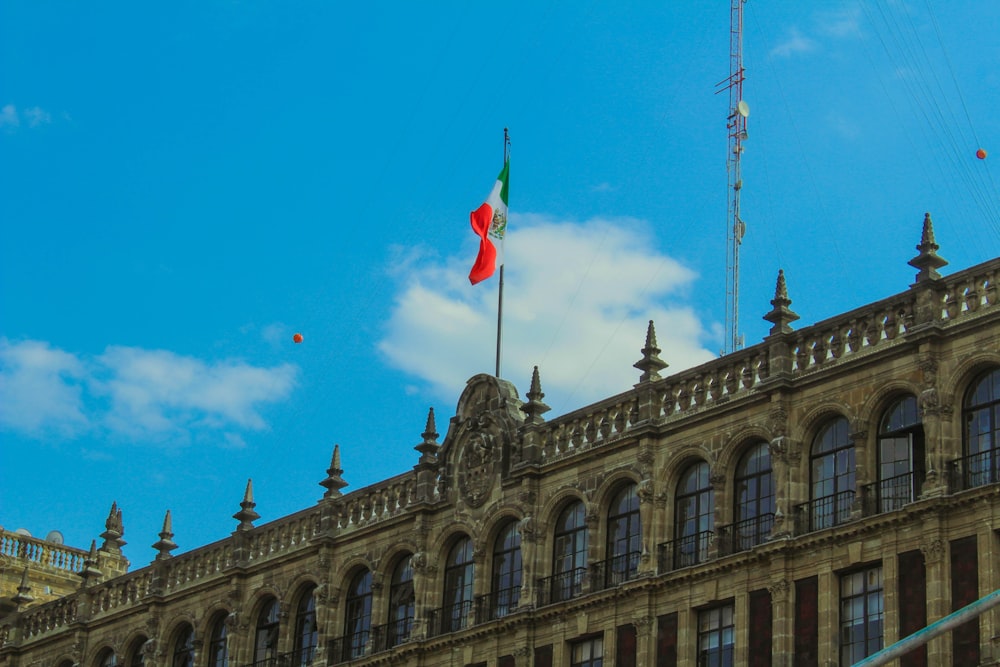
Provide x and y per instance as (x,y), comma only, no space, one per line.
(486,260)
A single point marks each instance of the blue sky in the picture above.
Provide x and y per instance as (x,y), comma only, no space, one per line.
(186,185)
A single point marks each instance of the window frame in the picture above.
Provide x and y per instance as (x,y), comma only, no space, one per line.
(624,538)
(459,580)
(849,653)
(692,529)
(754,498)
(358,614)
(508,569)
(833,454)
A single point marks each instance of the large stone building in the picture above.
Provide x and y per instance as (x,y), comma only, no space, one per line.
(804,501)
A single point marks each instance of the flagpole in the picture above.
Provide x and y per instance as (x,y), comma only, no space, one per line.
(506,157)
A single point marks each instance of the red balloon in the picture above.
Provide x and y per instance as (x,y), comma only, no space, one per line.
(297,338)
(981,154)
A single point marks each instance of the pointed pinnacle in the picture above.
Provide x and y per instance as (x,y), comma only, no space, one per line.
(535,408)
(650,364)
(781,316)
(165,544)
(429,446)
(928,261)
(334,482)
(246,516)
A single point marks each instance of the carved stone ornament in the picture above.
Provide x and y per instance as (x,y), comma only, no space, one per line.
(477,467)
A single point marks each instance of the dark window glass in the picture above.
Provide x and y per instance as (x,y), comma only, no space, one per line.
(506,586)
(694,516)
(624,535)
(306,634)
(569,557)
(458,579)
(587,653)
(218,644)
(358,614)
(715,637)
(401,602)
(184,648)
(982,431)
(861,613)
(754,497)
(266,641)
(900,455)
(832,475)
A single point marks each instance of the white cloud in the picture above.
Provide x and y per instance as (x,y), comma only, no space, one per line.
(577,300)
(41,390)
(842,23)
(794,43)
(9,117)
(37,116)
(159,394)
(145,396)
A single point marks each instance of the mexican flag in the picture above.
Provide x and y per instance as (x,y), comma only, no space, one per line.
(489,221)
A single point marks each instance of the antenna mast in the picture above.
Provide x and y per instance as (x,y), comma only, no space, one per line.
(737,126)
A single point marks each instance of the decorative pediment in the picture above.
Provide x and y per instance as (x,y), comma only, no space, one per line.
(481,436)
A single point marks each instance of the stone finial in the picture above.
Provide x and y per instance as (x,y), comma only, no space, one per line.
(928,261)
(114,528)
(781,316)
(23,596)
(334,482)
(650,364)
(246,516)
(429,446)
(535,408)
(165,544)
(90,570)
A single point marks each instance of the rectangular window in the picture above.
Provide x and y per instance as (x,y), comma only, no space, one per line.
(715,637)
(587,653)
(861,612)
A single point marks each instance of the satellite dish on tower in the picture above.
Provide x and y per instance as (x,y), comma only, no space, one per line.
(743,109)
(55,537)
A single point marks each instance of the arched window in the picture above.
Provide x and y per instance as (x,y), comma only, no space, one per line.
(981,413)
(624,536)
(506,580)
(107,658)
(754,510)
(135,656)
(306,634)
(569,557)
(358,615)
(458,573)
(694,516)
(401,603)
(900,455)
(832,474)
(265,651)
(218,642)
(184,647)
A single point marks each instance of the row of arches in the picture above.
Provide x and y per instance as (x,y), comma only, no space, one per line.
(473,580)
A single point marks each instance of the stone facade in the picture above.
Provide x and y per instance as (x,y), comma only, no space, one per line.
(804,501)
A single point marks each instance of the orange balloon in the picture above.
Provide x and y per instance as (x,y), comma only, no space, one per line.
(981,154)
(297,338)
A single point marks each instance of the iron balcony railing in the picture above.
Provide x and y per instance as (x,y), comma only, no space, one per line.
(888,495)
(975,470)
(563,586)
(450,618)
(685,551)
(824,512)
(367,642)
(616,570)
(497,604)
(744,535)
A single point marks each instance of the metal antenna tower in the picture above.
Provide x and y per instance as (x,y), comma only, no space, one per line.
(737,126)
